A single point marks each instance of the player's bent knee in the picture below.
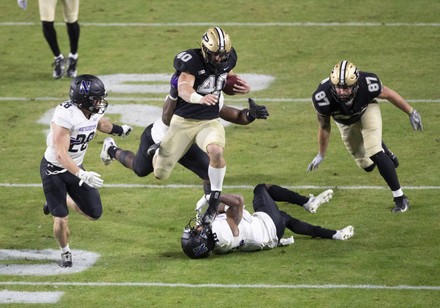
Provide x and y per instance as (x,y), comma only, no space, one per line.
(161,174)
(370,168)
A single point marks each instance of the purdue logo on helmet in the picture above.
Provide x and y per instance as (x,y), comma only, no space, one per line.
(87,92)
(344,75)
(216,46)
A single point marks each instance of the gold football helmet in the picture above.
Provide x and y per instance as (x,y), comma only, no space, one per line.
(216,46)
(344,75)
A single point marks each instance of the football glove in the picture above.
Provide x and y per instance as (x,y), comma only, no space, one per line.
(91,178)
(257,111)
(315,162)
(416,120)
(200,206)
(126,130)
(202,203)
(22,4)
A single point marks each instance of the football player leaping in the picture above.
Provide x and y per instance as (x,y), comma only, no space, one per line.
(65,181)
(194,159)
(349,96)
(202,75)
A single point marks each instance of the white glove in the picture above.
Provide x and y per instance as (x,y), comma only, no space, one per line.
(22,4)
(202,203)
(91,178)
(126,130)
(416,120)
(315,162)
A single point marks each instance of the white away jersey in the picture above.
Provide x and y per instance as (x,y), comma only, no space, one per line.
(256,232)
(82,131)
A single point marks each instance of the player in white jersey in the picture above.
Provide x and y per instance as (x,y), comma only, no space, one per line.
(65,181)
(234,228)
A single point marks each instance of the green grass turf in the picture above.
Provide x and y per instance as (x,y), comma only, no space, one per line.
(138,237)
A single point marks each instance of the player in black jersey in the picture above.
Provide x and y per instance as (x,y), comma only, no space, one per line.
(194,159)
(349,97)
(202,75)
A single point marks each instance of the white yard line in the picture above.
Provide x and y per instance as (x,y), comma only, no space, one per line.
(178,186)
(241,24)
(228,286)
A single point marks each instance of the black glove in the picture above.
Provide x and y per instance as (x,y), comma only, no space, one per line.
(257,111)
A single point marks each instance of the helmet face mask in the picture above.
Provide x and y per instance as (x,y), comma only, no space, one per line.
(344,78)
(197,242)
(87,92)
(216,47)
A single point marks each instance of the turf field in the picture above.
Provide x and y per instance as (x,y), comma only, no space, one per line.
(131,257)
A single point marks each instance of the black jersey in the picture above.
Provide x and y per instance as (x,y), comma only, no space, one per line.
(348,113)
(208,80)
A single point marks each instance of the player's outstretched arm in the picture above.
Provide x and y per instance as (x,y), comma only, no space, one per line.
(244,116)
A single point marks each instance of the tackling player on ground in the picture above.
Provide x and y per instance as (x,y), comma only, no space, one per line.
(235,229)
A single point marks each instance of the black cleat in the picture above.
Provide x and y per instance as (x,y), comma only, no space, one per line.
(71,67)
(46,210)
(152,149)
(211,211)
(391,155)
(402,204)
(58,67)
(66,259)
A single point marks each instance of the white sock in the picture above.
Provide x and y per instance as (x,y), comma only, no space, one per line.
(216,176)
(337,235)
(65,249)
(74,56)
(398,193)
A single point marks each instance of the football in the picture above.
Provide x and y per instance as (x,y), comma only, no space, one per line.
(229,85)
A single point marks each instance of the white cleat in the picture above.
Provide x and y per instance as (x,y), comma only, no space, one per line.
(315,202)
(344,234)
(108,142)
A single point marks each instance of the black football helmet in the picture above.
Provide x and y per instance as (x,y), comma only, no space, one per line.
(216,47)
(344,75)
(197,241)
(87,92)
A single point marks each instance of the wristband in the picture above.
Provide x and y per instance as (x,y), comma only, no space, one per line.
(249,117)
(195,98)
(117,130)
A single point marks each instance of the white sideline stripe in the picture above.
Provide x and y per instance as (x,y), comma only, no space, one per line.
(242,24)
(149,99)
(14,297)
(226,286)
(156,186)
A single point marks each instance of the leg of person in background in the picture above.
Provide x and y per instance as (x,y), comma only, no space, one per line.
(50,35)
(73,31)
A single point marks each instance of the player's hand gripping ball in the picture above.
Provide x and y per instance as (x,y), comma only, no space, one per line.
(229,85)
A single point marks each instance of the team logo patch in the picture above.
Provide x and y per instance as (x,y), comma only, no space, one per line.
(199,250)
(84,87)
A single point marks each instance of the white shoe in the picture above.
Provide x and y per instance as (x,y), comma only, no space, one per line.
(315,202)
(344,234)
(108,142)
